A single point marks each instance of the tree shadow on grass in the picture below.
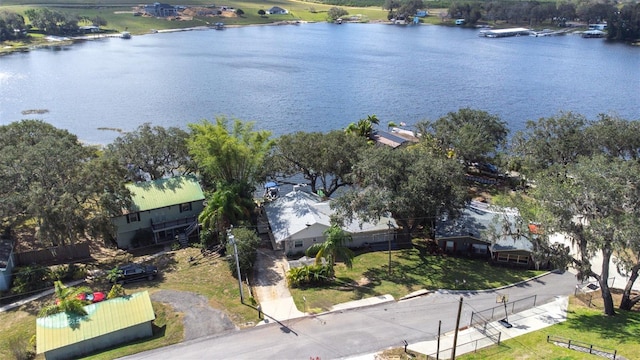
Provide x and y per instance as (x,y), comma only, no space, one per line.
(623,327)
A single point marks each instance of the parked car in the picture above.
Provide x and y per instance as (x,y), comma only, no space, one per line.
(135,272)
(94,297)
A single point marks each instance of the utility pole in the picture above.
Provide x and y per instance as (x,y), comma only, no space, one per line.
(438,346)
(232,240)
(455,336)
(389,239)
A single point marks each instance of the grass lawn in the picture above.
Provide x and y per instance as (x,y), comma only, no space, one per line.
(585,325)
(412,269)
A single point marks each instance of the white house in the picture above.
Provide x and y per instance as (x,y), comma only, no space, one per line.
(164,208)
(299,220)
(276,10)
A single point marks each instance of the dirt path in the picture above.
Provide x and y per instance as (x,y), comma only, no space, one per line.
(199,318)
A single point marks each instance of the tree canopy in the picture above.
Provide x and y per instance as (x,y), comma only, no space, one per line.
(586,177)
(324,159)
(48,176)
(154,150)
(412,184)
(472,135)
(229,153)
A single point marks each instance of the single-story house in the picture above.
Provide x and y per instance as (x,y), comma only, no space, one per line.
(107,323)
(467,235)
(168,208)
(7,262)
(276,10)
(299,219)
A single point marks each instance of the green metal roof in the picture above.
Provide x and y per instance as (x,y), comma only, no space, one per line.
(59,330)
(164,192)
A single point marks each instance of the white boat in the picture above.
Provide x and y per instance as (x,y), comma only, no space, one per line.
(125,35)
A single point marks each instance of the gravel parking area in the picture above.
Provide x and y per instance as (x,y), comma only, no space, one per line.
(200,319)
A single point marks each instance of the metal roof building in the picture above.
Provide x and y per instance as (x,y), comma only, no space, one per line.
(164,192)
(108,323)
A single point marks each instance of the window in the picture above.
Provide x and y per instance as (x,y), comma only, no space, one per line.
(185,207)
(479,248)
(133,217)
(298,243)
(502,257)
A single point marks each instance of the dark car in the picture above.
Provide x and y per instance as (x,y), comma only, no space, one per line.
(136,272)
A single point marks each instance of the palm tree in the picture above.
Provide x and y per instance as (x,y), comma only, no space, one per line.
(333,247)
(225,207)
(67,301)
(364,127)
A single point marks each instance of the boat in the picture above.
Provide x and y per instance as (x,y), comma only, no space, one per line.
(125,35)
(219,26)
(593,34)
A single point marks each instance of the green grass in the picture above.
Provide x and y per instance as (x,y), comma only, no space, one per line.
(412,270)
(590,326)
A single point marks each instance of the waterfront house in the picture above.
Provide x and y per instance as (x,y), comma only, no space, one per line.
(276,10)
(7,262)
(160,10)
(162,210)
(468,235)
(299,219)
(107,324)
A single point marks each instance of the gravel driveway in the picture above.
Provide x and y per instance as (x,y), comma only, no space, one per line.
(200,319)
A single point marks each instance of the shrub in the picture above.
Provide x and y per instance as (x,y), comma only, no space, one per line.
(247,242)
(68,272)
(309,275)
(116,291)
(30,278)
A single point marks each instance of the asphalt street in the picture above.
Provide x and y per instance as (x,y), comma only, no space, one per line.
(365,330)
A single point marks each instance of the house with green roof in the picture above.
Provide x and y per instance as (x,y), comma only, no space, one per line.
(163,210)
(107,323)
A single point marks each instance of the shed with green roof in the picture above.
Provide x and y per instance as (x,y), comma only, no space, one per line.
(108,323)
(161,210)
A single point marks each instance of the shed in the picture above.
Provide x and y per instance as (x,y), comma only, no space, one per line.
(299,220)
(108,323)
(7,262)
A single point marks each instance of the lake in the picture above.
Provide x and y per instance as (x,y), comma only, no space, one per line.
(316,77)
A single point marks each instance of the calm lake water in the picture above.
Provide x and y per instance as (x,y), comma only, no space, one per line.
(316,77)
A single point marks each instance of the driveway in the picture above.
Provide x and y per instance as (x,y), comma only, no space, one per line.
(270,286)
(200,319)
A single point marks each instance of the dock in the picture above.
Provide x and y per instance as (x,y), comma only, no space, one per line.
(505,32)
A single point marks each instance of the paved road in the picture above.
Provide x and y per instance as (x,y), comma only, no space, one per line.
(357,331)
